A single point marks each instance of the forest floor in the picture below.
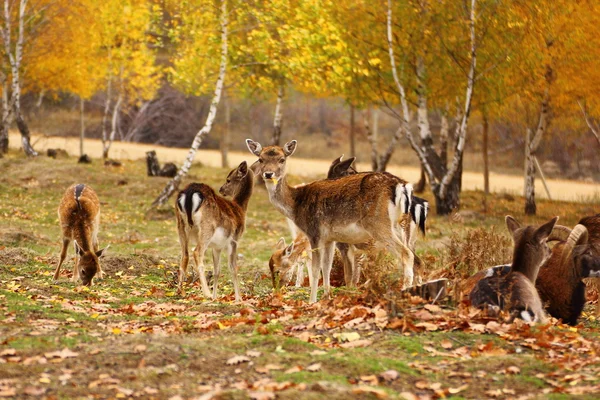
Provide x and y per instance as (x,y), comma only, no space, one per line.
(131,336)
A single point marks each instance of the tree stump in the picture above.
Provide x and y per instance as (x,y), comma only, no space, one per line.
(153,167)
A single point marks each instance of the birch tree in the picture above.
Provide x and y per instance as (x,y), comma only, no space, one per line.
(173,184)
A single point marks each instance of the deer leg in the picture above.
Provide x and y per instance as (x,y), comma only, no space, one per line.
(309,264)
(299,273)
(75,276)
(216,254)
(234,270)
(404,255)
(316,272)
(185,258)
(199,251)
(63,254)
(344,249)
(326,263)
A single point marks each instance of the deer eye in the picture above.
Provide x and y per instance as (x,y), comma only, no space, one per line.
(260,160)
(282,161)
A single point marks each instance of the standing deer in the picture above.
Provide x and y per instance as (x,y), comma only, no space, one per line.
(213,221)
(79,218)
(352,209)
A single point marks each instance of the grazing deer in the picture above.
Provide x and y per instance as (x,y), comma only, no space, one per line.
(79,218)
(515,292)
(213,222)
(352,209)
(288,261)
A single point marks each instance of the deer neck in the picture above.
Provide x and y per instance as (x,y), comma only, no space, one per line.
(242,197)
(529,268)
(281,196)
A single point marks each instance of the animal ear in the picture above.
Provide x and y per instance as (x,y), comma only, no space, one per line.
(101,252)
(254,147)
(289,249)
(243,169)
(542,233)
(336,161)
(347,164)
(280,244)
(289,148)
(512,224)
(254,167)
(79,251)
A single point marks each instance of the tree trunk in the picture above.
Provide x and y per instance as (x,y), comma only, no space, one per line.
(384,159)
(82,131)
(174,183)
(352,132)
(105,118)
(25,137)
(530,206)
(484,151)
(5,117)
(277,120)
(372,138)
(445,183)
(226,134)
(419,187)
(114,128)
(444,129)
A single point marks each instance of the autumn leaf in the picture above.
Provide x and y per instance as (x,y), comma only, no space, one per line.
(314,367)
(364,390)
(237,360)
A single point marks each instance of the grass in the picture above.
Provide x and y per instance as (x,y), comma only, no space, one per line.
(134,337)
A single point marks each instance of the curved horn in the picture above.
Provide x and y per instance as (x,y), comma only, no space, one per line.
(579,235)
(559,233)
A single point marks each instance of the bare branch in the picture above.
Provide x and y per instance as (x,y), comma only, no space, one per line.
(589,122)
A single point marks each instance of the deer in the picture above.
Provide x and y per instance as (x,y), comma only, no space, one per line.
(290,260)
(515,292)
(407,223)
(79,219)
(560,282)
(352,209)
(212,221)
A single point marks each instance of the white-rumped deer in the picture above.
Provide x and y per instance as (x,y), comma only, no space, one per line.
(515,292)
(79,218)
(352,209)
(212,221)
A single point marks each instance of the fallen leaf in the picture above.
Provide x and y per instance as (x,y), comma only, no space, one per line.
(458,389)
(347,336)
(140,348)
(408,396)
(446,344)
(267,368)
(293,370)
(513,370)
(428,326)
(379,393)
(237,360)
(314,367)
(64,353)
(369,379)
(421,385)
(390,375)
(253,353)
(356,343)
(261,395)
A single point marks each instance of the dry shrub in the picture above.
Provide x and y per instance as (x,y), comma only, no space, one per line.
(479,249)
(381,276)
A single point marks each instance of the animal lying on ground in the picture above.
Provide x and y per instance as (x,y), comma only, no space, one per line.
(560,281)
(212,221)
(515,292)
(79,218)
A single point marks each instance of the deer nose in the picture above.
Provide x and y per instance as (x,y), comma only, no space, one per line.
(268,175)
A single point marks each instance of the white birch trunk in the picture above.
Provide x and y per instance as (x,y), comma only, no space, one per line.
(226,134)
(595,130)
(444,129)
(531,145)
(5,116)
(462,128)
(372,141)
(212,113)
(113,130)
(277,120)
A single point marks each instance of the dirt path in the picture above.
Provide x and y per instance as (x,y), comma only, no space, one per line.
(559,188)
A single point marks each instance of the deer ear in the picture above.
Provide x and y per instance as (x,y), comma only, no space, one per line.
(243,169)
(289,148)
(289,249)
(101,252)
(545,230)
(512,224)
(347,164)
(336,161)
(254,147)
(280,244)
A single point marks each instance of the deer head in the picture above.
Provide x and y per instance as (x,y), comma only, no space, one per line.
(234,180)
(88,263)
(531,247)
(271,159)
(339,168)
(281,264)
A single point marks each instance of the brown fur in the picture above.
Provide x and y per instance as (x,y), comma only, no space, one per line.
(217,223)
(516,292)
(79,218)
(352,209)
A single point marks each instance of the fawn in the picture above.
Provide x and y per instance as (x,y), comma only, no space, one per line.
(212,221)
(79,218)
